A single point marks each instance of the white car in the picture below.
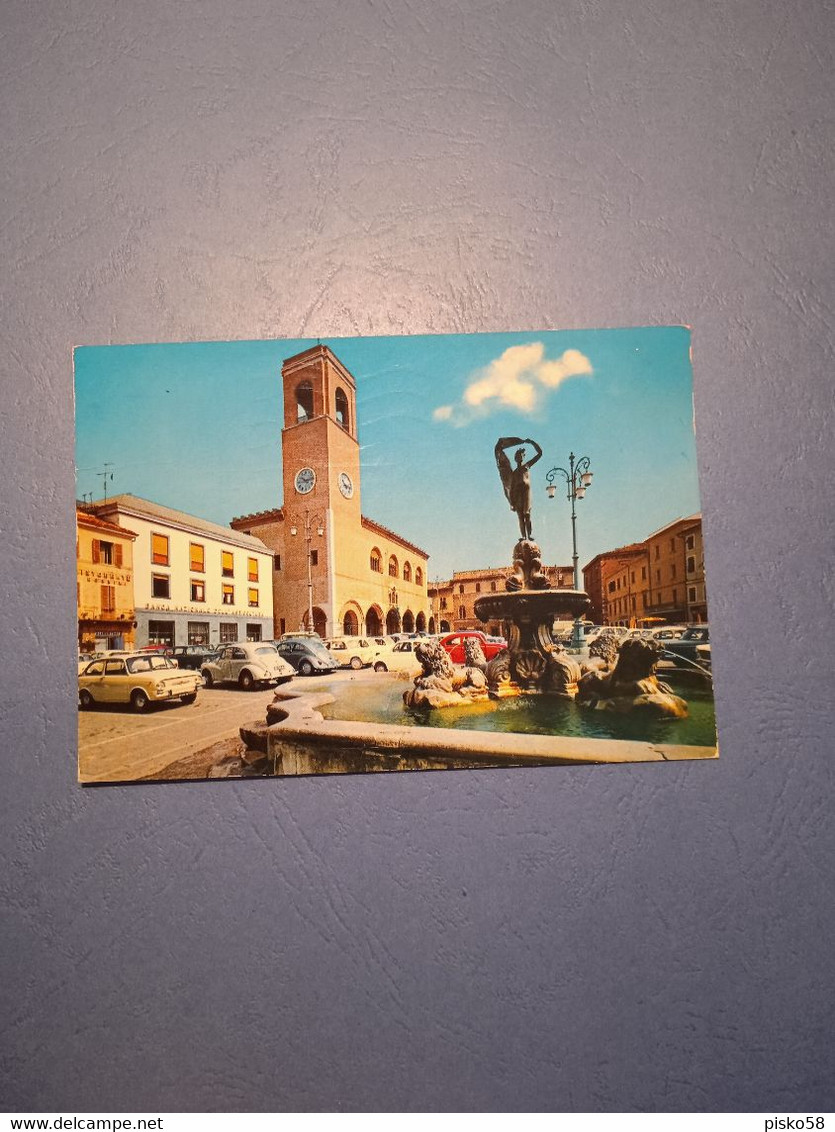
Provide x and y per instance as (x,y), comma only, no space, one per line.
(353,652)
(246,664)
(401,658)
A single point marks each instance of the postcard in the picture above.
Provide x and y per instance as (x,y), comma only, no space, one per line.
(384,554)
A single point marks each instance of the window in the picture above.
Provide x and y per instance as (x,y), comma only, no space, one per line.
(108,599)
(342,410)
(253,632)
(658,576)
(460,587)
(418,577)
(462,612)
(197,558)
(304,401)
(672,569)
(672,544)
(198,632)
(407,572)
(691,542)
(198,590)
(160,585)
(644,599)
(161,633)
(657,551)
(227,563)
(105,552)
(114,668)
(393,571)
(611,587)
(252,597)
(478,587)
(691,565)
(691,593)
(277,561)
(633,577)
(228,632)
(493,585)
(159,550)
(314,558)
(229,596)
(443,603)
(643,573)
(376,561)
(252,569)
(675,595)
(632,601)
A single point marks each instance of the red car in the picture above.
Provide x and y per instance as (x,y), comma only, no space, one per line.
(454,644)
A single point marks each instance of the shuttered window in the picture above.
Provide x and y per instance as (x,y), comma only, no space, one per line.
(252,569)
(197,557)
(159,550)
(227,563)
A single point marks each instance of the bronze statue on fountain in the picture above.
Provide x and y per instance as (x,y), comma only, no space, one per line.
(532,662)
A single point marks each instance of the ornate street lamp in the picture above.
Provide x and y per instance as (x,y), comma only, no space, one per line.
(577,481)
(310,522)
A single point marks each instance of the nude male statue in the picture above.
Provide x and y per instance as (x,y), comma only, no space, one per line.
(517,481)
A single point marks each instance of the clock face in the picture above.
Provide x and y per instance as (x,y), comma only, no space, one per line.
(346,485)
(305,479)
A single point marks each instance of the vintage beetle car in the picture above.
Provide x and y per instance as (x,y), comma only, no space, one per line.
(246,664)
(307,656)
(138,679)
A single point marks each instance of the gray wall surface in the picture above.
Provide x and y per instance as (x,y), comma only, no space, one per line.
(633,938)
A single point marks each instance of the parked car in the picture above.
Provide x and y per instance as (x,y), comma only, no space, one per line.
(683,653)
(246,664)
(453,643)
(193,656)
(307,656)
(353,652)
(669,632)
(138,679)
(400,658)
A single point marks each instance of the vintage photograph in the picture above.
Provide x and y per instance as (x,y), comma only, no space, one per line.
(377,554)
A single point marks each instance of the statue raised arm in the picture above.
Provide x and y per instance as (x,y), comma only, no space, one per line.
(515,480)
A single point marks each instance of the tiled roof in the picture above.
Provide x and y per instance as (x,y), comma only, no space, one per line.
(144,508)
(95,523)
(378,528)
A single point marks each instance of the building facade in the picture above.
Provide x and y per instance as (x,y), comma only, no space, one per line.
(660,580)
(104,566)
(452,602)
(194,582)
(334,569)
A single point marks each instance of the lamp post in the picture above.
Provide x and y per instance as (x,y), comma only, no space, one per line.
(309,522)
(577,480)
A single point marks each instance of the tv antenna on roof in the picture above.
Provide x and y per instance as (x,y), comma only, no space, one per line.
(105,476)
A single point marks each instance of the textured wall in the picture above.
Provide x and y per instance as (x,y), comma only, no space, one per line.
(628,938)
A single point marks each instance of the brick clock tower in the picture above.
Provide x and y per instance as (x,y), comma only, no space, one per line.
(366,579)
(321,466)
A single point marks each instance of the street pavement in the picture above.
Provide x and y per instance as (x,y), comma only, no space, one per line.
(118,745)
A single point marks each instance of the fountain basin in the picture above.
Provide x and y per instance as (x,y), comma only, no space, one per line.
(302,741)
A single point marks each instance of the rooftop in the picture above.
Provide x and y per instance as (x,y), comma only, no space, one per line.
(145,509)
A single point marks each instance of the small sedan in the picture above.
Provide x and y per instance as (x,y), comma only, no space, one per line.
(136,679)
(353,652)
(684,654)
(193,656)
(400,659)
(453,643)
(246,664)
(307,656)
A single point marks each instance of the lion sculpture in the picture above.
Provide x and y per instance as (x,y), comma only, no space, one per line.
(632,685)
(441,683)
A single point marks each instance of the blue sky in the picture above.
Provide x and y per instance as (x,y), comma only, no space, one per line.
(197,426)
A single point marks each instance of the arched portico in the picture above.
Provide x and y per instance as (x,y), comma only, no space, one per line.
(408,622)
(393,621)
(420,622)
(374,621)
(350,619)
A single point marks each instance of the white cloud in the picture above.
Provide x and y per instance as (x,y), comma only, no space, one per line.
(517,380)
